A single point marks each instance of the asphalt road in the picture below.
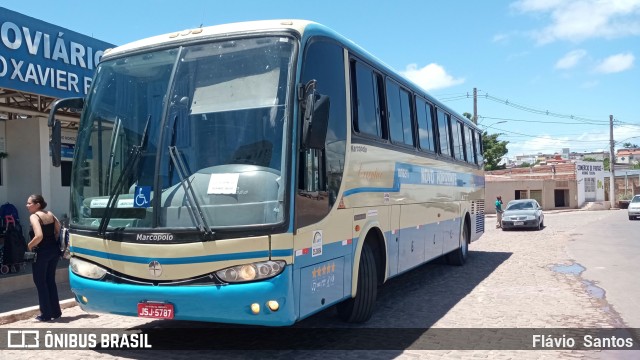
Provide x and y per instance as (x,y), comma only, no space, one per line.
(609,250)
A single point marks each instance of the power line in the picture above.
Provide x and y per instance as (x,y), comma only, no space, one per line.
(582,120)
(625,123)
(535,121)
(540,111)
(437,96)
(507,102)
(550,138)
(454,98)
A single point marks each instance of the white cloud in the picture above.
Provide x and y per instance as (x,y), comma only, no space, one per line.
(571,59)
(542,144)
(500,38)
(587,141)
(430,77)
(616,63)
(626,133)
(577,20)
(537,5)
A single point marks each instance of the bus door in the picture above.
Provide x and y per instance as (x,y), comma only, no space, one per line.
(433,233)
(412,237)
(393,240)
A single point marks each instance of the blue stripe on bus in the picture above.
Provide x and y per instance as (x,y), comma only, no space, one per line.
(182,260)
(370,189)
(282,252)
(421,175)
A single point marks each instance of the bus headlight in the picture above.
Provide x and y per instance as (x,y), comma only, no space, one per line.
(86,269)
(250,272)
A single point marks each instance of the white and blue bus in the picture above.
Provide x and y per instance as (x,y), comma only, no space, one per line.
(258,173)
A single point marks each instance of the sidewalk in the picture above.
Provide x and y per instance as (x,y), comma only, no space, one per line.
(20,297)
(557,211)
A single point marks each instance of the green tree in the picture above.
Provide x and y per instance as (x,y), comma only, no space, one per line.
(605,162)
(494,150)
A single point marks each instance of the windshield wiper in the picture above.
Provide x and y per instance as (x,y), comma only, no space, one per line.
(112,147)
(200,220)
(131,164)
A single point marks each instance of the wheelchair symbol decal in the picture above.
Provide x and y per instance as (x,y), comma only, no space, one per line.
(142,197)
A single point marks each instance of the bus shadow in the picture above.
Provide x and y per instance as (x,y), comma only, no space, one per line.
(420,297)
(407,306)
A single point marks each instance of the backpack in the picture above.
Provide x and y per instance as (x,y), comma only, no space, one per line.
(8,209)
(15,245)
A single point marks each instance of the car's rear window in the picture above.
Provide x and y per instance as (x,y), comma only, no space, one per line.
(521,206)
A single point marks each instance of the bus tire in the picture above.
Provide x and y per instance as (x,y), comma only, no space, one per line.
(360,308)
(459,256)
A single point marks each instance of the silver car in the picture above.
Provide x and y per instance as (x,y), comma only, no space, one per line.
(634,208)
(526,213)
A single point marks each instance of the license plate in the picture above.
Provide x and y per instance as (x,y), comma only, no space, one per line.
(518,223)
(155,310)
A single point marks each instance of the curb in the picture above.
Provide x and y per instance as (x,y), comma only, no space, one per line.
(31,312)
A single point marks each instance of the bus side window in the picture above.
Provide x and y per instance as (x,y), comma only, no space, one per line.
(443,133)
(399,114)
(367,117)
(468,143)
(426,140)
(477,145)
(456,136)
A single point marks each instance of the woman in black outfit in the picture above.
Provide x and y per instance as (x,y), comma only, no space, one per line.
(45,230)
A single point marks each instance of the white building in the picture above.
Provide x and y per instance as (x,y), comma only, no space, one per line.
(33,74)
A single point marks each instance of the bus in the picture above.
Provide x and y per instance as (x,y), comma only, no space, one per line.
(258,173)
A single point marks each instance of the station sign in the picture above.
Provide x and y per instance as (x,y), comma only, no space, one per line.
(45,59)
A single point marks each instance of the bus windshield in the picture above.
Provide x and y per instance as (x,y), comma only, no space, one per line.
(188,137)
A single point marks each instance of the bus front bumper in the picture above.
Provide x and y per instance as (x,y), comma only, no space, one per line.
(234,303)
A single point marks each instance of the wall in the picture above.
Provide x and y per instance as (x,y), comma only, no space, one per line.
(593,171)
(3,163)
(507,188)
(627,183)
(28,168)
(23,176)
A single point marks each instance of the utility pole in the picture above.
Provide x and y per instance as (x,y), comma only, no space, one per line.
(475,106)
(612,163)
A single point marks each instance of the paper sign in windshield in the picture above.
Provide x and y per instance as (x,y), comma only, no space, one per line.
(223,184)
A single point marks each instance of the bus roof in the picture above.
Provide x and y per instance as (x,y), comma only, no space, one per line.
(302,27)
(209,31)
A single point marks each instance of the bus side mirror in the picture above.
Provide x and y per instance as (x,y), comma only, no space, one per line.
(55,142)
(316,117)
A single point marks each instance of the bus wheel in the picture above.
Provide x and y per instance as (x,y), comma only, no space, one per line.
(360,308)
(459,256)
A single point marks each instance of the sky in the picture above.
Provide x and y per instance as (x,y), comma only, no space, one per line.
(548,73)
